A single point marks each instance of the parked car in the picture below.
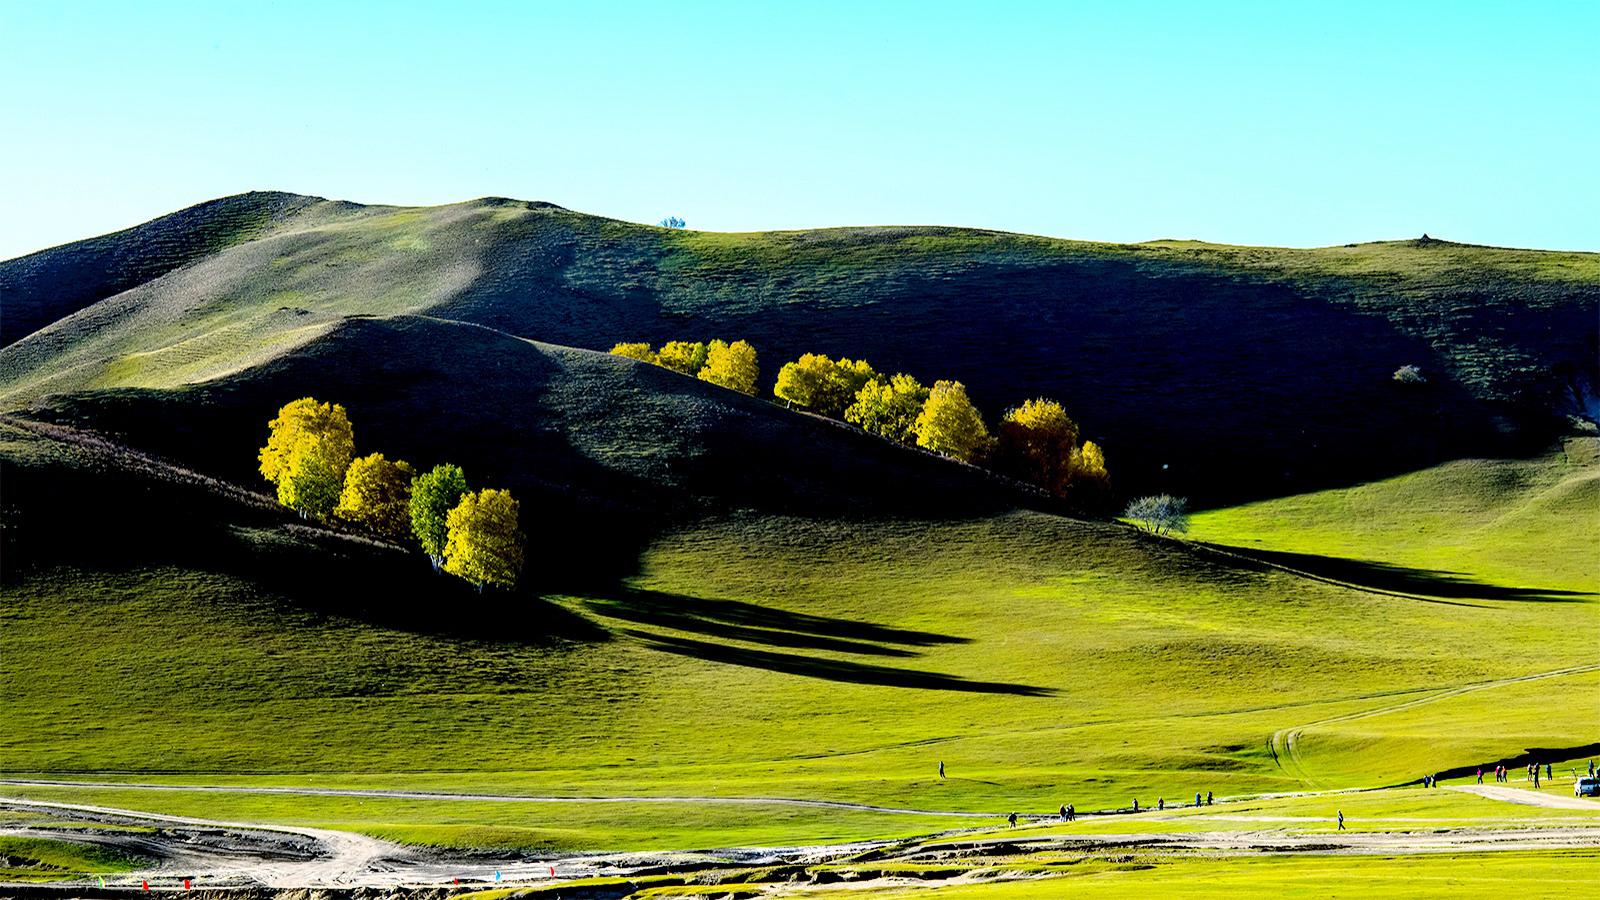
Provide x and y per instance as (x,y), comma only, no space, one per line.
(1588,786)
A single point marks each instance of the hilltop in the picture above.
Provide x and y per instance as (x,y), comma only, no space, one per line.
(1221,372)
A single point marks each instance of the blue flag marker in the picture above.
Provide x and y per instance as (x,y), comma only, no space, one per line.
(496,874)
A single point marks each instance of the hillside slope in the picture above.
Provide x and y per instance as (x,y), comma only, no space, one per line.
(1221,372)
(42,287)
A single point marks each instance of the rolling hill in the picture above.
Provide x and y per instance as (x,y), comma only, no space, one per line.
(1220,372)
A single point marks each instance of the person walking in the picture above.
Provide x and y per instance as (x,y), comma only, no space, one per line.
(1591,768)
(941,770)
(1161,804)
(1063,812)
(1197,798)
(1012,819)
(1341,820)
(1136,804)
(1480,774)
(1547,773)
(1208,798)
(1072,812)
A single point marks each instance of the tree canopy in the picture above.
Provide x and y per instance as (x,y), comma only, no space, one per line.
(639,351)
(732,366)
(1037,441)
(889,408)
(951,425)
(377,495)
(433,494)
(309,447)
(688,357)
(484,544)
(822,385)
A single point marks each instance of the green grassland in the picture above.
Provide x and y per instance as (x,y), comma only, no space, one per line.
(1245,372)
(758,655)
(27,858)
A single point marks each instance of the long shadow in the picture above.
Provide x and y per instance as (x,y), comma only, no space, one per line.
(762,624)
(1401,579)
(830,669)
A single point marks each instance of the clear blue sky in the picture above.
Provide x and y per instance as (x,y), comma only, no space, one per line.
(1265,123)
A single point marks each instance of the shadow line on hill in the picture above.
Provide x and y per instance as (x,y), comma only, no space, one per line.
(749,622)
(1434,585)
(831,669)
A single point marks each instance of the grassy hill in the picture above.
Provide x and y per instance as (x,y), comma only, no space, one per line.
(1044,660)
(1221,372)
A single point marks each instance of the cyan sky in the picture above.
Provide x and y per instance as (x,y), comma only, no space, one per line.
(1290,123)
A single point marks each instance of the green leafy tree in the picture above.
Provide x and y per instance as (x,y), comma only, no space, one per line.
(309,447)
(484,544)
(377,495)
(889,408)
(951,425)
(1037,443)
(684,356)
(433,494)
(641,352)
(732,365)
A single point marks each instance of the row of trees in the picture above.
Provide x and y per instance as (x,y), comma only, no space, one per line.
(732,366)
(310,459)
(1037,441)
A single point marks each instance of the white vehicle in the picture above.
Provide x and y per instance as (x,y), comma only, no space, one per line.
(1587,786)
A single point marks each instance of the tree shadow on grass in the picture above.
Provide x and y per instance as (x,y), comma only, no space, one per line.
(735,620)
(830,669)
(1421,584)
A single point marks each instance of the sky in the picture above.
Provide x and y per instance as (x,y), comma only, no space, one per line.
(1289,123)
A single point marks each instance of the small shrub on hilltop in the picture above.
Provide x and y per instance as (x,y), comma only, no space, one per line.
(484,545)
(951,425)
(433,495)
(309,447)
(1410,375)
(1160,514)
(377,495)
(732,366)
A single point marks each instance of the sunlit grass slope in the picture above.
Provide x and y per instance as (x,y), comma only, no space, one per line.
(1243,371)
(1043,660)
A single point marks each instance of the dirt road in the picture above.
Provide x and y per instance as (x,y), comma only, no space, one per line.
(1528,797)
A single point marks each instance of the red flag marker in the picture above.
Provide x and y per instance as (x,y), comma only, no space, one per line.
(146,885)
(552,871)
(186,884)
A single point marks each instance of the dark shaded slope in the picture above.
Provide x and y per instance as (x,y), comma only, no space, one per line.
(42,287)
(1202,373)
(601,450)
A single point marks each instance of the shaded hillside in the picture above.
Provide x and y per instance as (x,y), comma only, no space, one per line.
(42,287)
(602,450)
(1220,372)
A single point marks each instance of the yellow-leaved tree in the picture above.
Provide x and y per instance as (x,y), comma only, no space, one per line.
(822,385)
(1037,442)
(951,425)
(309,447)
(484,543)
(688,357)
(889,408)
(732,365)
(1088,482)
(377,495)
(639,351)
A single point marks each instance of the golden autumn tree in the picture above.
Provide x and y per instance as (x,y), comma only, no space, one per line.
(309,447)
(732,366)
(822,385)
(639,351)
(377,495)
(951,425)
(1037,442)
(889,408)
(688,357)
(484,543)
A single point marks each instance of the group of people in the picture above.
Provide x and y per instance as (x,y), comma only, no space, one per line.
(1502,774)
